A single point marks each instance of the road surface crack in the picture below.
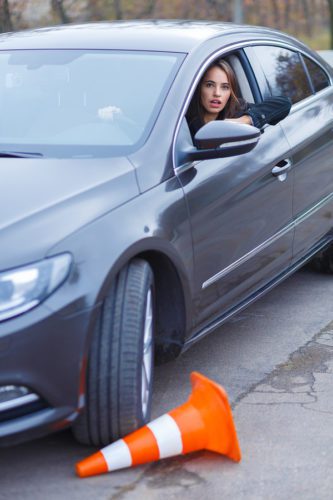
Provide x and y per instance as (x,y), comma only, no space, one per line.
(304,379)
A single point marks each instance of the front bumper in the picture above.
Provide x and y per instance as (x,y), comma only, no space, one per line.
(44,352)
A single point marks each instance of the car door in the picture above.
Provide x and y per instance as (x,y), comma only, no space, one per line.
(308,129)
(240,216)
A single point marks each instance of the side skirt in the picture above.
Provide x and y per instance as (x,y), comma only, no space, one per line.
(252,298)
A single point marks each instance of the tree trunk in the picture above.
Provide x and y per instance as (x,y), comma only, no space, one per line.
(94,11)
(276,14)
(118,9)
(286,15)
(330,6)
(59,9)
(222,9)
(308,20)
(238,14)
(5,18)
(262,12)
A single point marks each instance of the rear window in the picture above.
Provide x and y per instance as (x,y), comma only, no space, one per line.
(284,72)
(318,76)
(81,103)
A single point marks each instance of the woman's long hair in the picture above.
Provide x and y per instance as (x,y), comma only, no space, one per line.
(234,106)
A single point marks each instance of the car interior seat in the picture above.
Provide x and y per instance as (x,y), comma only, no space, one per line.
(243,84)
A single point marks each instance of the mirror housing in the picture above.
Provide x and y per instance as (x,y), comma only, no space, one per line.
(220,139)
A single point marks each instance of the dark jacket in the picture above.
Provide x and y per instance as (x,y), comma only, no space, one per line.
(270,111)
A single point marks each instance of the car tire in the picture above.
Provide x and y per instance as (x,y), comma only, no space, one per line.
(323,261)
(120,366)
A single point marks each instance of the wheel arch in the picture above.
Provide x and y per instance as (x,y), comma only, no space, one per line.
(171,324)
(172,293)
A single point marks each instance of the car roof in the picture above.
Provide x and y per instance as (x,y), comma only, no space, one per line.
(164,35)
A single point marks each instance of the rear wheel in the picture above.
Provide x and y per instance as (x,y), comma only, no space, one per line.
(323,261)
(120,366)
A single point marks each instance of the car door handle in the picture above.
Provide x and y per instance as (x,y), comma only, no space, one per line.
(282,167)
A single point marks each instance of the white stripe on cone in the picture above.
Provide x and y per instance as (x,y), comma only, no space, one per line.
(168,436)
(117,455)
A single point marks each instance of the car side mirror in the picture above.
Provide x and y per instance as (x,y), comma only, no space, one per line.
(220,139)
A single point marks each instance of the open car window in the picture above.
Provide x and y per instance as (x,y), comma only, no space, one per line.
(247,88)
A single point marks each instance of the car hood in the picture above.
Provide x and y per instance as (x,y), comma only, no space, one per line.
(44,200)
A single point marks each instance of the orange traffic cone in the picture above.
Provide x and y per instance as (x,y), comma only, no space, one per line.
(204,422)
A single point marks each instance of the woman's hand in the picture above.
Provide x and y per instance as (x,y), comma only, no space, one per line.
(242,119)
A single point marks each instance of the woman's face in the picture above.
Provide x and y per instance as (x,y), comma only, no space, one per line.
(215,92)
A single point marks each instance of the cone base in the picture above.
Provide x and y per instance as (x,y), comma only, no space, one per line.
(212,401)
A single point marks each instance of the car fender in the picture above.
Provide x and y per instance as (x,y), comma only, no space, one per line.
(154,222)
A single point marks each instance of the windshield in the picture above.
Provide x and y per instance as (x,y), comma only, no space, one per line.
(79,103)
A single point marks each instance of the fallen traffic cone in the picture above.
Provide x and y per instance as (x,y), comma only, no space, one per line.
(204,422)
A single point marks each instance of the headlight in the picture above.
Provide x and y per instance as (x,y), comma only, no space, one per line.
(23,288)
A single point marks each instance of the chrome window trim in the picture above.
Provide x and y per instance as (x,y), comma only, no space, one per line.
(225,50)
(268,242)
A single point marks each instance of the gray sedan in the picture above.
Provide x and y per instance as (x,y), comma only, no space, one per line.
(123,239)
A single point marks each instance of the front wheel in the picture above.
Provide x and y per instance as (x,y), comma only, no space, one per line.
(120,366)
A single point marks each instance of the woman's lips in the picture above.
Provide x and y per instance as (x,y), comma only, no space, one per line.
(215,103)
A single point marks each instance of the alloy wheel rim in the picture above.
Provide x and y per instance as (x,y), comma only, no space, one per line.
(147,358)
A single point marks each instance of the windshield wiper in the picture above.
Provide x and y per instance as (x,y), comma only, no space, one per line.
(19,154)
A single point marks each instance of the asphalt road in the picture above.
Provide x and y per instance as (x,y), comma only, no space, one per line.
(275,361)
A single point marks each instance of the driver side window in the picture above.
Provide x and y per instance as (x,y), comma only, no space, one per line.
(222,93)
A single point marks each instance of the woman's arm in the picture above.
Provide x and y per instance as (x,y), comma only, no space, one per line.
(270,111)
(242,119)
